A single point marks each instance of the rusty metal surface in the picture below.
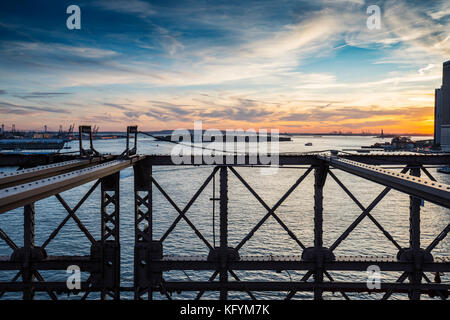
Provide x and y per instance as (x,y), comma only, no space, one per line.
(19,195)
(40,172)
(435,192)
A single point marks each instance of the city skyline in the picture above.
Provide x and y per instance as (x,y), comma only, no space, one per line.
(290,65)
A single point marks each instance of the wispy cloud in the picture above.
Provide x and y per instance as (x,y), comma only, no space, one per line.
(42,49)
(417,29)
(6,108)
(42,95)
(333,113)
(140,8)
(116,106)
(231,63)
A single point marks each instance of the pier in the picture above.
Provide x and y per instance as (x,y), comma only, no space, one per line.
(43,176)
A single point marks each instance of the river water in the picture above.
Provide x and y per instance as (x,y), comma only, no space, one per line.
(244,213)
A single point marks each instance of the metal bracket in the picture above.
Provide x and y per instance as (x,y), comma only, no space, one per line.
(132,151)
(91,151)
(418,256)
(35,254)
(105,254)
(314,254)
(231,253)
(145,252)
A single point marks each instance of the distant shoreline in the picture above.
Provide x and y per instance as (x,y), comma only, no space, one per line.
(165,132)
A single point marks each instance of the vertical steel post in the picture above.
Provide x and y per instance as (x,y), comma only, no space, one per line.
(143,225)
(110,236)
(91,142)
(143,203)
(131,130)
(320,174)
(414,238)
(223,231)
(128,141)
(28,245)
(80,140)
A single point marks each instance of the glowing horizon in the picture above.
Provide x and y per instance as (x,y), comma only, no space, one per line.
(296,66)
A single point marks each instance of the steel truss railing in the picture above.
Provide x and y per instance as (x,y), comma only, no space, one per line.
(317,261)
(103,262)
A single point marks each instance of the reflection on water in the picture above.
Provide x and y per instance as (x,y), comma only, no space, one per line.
(244,213)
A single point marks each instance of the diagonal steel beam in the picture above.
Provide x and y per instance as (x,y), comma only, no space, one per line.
(270,210)
(8,240)
(292,293)
(75,218)
(202,292)
(438,239)
(429,175)
(437,193)
(49,291)
(234,275)
(331,279)
(372,218)
(391,291)
(89,289)
(17,276)
(355,223)
(437,291)
(182,213)
(55,232)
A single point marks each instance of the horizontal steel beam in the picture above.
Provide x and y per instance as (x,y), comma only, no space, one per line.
(27,160)
(173,286)
(18,196)
(245,159)
(342,263)
(373,158)
(45,286)
(422,188)
(53,263)
(396,158)
(386,158)
(18,177)
(298,286)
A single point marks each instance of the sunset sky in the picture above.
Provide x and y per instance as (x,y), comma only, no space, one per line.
(299,66)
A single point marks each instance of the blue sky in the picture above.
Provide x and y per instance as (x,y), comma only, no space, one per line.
(302,66)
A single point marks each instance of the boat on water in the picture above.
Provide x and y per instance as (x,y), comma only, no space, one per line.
(445,169)
(401,143)
(32,144)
